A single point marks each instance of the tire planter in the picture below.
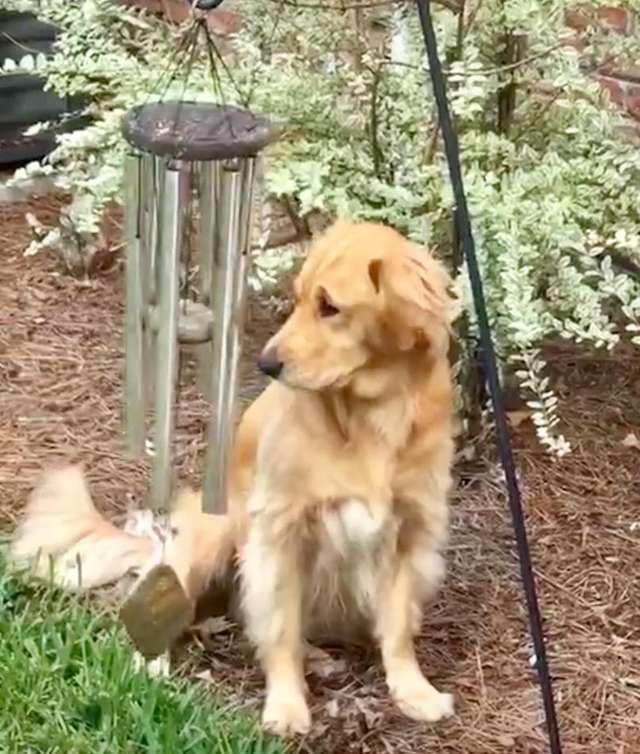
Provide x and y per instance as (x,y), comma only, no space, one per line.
(23,101)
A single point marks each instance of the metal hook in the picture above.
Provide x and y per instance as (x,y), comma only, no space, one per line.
(206,4)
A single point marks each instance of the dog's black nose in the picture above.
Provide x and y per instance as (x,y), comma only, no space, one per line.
(270,364)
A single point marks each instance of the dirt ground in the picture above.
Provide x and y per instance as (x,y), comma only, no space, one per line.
(60,396)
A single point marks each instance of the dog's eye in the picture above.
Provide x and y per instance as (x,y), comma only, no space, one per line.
(326,308)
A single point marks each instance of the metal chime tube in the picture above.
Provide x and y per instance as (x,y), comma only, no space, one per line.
(135,307)
(209,207)
(171,227)
(151,171)
(248,191)
(152,176)
(228,294)
(209,216)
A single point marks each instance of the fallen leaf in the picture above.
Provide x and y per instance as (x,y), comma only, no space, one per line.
(468,453)
(40,295)
(517,417)
(322,664)
(212,626)
(317,731)
(332,708)
(631,441)
(370,714)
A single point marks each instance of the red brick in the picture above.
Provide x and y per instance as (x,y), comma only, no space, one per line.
(175,11)
(631,131)
(223,22)
(632,101)
(626,73)
(615,88)
(544,91)
(577,41)
(219,20)
(613,17)
(578,18)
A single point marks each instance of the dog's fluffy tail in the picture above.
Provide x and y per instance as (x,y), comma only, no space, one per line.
(201,547)
(64,539)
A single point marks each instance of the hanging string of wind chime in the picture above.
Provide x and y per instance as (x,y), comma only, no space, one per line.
(192,166)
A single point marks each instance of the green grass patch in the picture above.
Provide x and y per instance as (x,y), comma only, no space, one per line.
(68,686)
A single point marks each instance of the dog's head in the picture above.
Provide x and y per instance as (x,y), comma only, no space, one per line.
(365,297)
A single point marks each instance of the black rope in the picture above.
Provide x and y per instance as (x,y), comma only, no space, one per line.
(178,56)
(505,451)
(214,53)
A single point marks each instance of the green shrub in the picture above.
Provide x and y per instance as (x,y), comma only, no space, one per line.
(552,186)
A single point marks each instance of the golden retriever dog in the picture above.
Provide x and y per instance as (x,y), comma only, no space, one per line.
(337,504)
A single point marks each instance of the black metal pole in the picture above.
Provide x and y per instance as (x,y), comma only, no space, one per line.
(505,451)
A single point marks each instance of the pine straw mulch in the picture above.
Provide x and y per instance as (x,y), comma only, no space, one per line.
(60,396)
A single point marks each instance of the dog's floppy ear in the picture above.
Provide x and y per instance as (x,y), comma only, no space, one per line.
(415,294)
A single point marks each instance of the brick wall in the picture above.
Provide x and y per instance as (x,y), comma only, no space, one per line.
(621,82)
(221,21)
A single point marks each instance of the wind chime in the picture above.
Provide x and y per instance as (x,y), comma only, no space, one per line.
(189,184)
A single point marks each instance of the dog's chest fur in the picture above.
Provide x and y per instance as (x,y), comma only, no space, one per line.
(347,552)
(339,511)
(354,534)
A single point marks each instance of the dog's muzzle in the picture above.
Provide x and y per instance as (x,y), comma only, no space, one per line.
(270,364)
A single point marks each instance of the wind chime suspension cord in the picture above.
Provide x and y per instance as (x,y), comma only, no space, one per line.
(190,61)
(170,71)
(505,451)
(186,52)
(214,54)
(183,59)
(216,81)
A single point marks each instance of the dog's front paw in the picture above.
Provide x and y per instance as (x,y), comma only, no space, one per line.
(286,713)
(160,667)
(423,702)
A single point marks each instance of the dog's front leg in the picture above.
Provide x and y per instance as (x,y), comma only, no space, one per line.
(397,616)
(272,600)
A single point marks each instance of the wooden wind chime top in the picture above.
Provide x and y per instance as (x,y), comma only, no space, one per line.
(196,130)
